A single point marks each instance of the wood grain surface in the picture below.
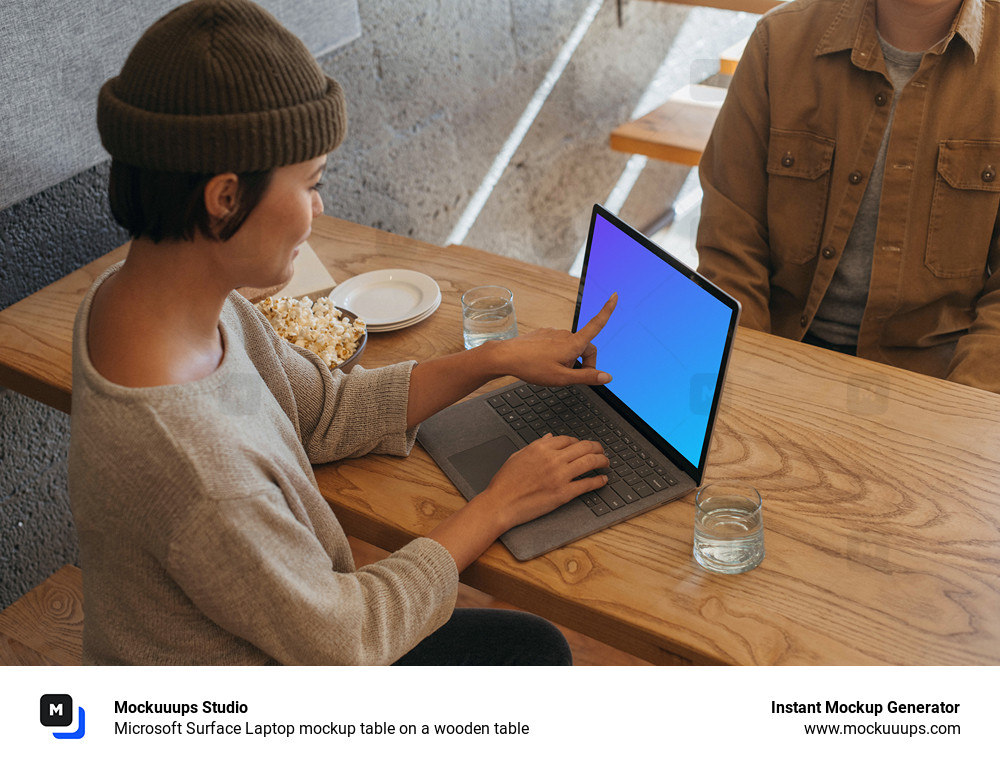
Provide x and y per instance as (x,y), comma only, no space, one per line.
(881,489)
(742,6)
(45,626)
(880,486)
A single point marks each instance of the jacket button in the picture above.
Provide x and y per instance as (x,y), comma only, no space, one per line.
(855,178)
(989,174)
(881,99)
(803,320)
(788,160)
(828,252)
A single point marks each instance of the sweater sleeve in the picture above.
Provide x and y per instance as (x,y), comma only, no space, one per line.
(259,573)
(348,415)
(335,415)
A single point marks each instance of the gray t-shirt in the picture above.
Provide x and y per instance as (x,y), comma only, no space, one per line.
(838,318)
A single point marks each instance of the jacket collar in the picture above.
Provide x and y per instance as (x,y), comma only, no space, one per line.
(854,29)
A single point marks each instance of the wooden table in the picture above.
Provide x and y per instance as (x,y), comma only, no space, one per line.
(881,489)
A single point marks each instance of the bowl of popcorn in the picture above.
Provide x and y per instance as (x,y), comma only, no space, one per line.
(336,335)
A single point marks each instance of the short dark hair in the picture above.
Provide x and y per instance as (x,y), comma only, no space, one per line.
(171,205)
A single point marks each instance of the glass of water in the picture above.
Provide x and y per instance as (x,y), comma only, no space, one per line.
(488,314)
(728,527)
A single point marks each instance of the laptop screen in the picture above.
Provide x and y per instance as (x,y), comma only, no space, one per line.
(667,343)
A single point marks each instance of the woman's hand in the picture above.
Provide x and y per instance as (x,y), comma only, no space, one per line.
(543,476)
(547,356)
(533,481)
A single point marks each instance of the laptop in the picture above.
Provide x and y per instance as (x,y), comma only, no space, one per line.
(667,347)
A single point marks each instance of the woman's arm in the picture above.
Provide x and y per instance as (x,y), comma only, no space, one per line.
(533,481)
(545,357)
(541,476)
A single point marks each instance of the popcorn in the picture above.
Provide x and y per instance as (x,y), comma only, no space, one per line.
(320,327)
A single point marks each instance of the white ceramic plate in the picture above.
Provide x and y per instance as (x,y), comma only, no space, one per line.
(406,322)
(388,297)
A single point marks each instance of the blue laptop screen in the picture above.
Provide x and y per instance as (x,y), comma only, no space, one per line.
(665,342)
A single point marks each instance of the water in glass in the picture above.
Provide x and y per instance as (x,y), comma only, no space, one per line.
(728,536)
(488,317)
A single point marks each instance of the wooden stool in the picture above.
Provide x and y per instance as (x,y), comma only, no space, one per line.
(677,131)
(731,56)
(45,625)
(743,6)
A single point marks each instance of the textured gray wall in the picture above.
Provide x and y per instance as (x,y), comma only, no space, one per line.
(41,239)
(55,52)
(434,88)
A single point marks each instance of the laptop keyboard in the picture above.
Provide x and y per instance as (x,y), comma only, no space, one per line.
(533,411)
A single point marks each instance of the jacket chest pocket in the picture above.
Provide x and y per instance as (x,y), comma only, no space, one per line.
(798,168)
(963,209)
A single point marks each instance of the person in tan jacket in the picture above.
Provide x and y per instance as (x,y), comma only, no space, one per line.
(850,183)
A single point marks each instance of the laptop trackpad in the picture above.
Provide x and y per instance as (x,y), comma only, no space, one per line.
(479,464)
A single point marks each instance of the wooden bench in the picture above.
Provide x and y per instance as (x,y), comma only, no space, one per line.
(677,131)
(743,6)
(45,625)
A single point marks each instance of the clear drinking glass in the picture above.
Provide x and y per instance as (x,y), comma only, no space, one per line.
(728,527)
(488,314)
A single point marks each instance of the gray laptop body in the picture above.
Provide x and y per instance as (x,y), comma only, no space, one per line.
(667,347)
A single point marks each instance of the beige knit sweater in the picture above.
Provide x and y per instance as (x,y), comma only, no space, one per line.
(204,538)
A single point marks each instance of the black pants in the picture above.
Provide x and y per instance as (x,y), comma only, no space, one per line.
(492,637)
(814,340)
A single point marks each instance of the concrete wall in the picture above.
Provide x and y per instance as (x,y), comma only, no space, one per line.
(434,87)
(41,239)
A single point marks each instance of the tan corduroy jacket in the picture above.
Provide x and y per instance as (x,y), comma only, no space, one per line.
(788,161)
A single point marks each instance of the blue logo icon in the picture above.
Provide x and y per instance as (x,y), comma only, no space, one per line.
(57,710)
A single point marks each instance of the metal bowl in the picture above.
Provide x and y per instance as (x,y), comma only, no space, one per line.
(352,360)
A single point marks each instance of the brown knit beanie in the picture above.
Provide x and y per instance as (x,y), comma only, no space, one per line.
(220,86)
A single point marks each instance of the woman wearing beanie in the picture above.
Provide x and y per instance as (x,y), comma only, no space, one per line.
(204,538)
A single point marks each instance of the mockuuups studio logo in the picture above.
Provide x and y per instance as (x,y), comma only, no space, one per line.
(57,710)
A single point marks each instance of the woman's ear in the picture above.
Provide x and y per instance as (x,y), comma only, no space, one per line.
(221,196)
